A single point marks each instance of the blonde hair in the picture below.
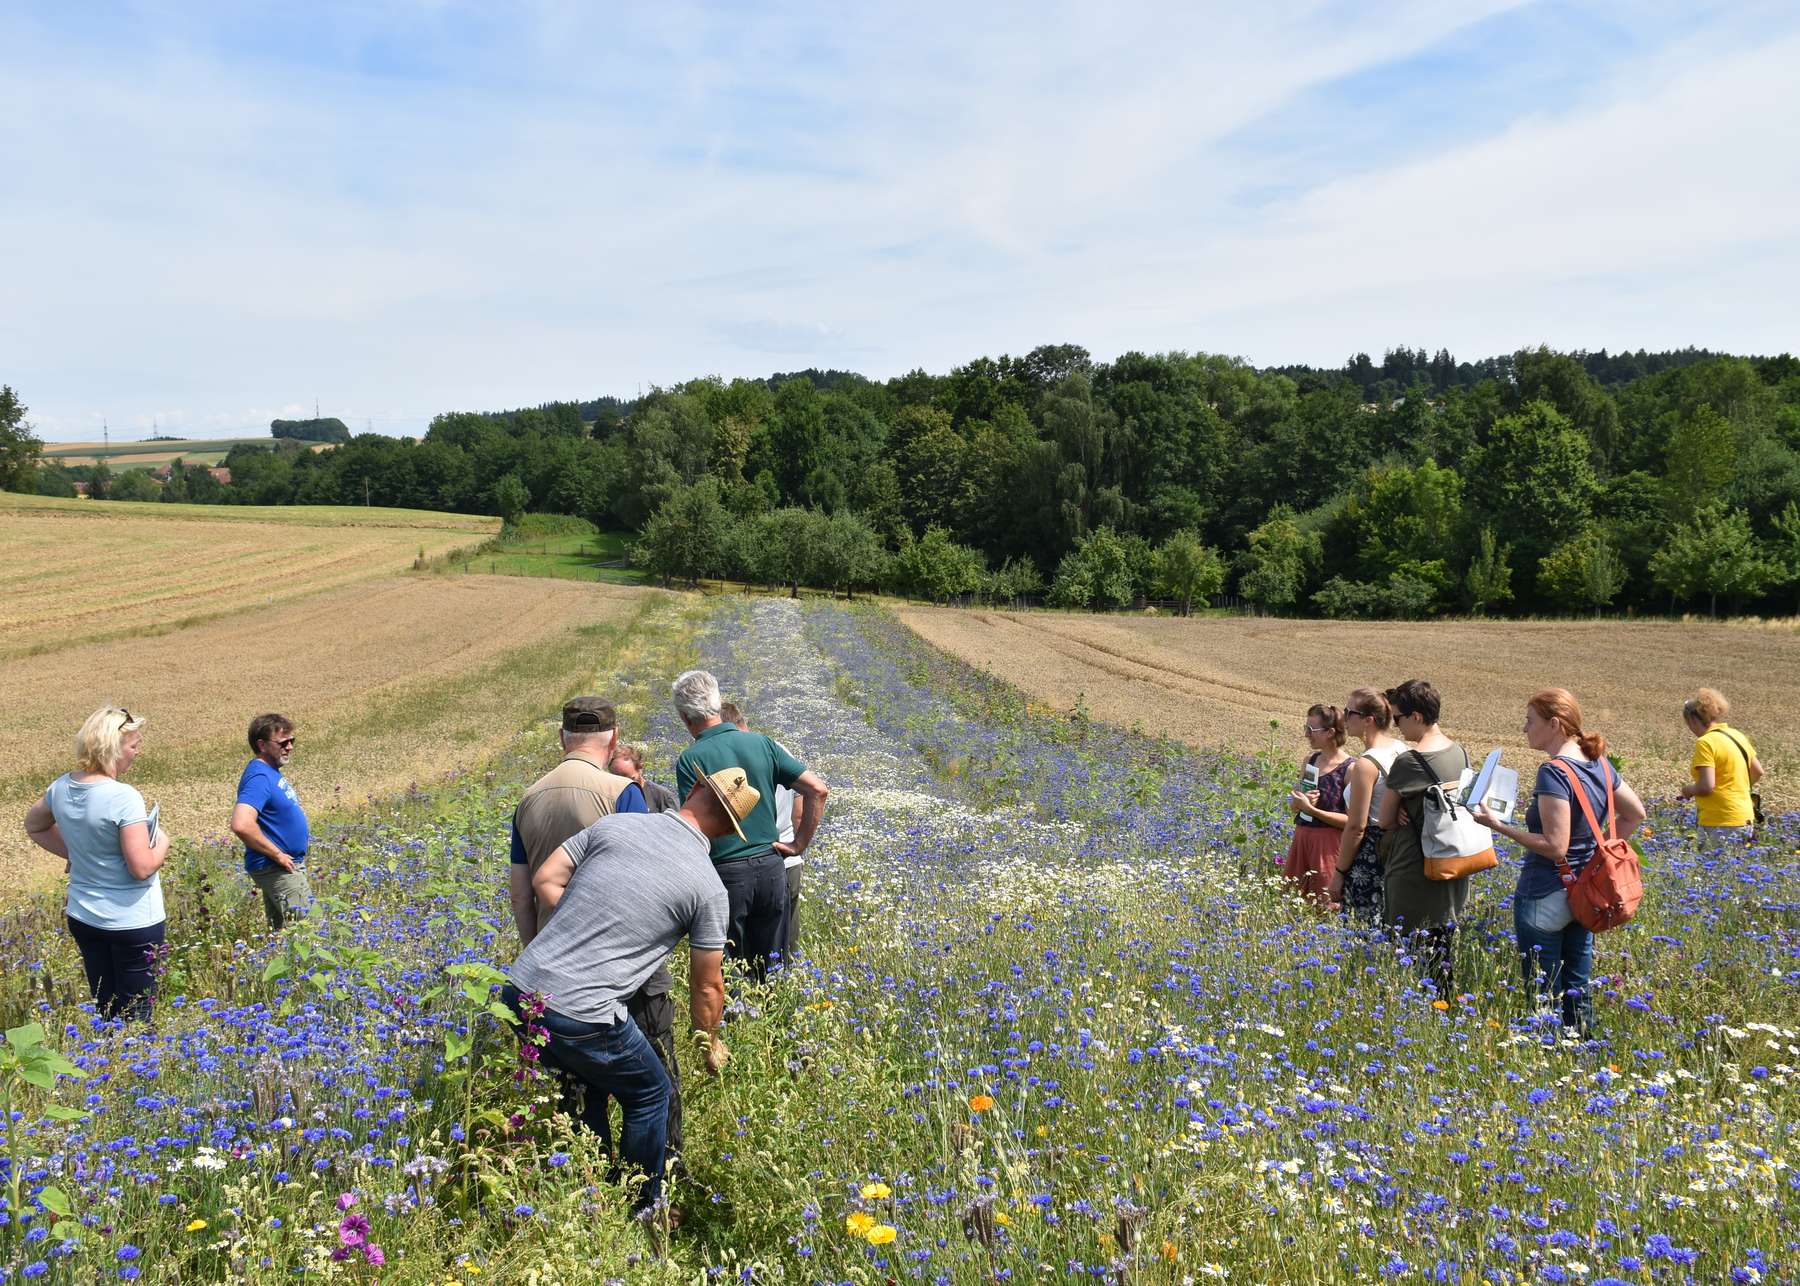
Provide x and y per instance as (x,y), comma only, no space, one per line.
(1708,705)
(100,744)
(1558,706)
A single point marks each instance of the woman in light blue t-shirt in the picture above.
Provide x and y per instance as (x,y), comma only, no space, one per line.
(98,825)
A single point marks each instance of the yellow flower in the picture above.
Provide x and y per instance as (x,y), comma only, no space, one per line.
(881,1234)
(1440,1004)
(1043,1131)
(1003,1219)
(197,1225)
(980,1102)
(859,1224)
(1168,1251)
(875,1191)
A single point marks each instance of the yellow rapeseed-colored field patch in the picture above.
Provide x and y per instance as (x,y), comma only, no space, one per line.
(1219,681)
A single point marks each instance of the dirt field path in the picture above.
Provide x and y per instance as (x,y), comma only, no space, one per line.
(1219,681)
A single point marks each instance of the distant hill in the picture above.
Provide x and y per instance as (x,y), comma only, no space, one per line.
(329,429)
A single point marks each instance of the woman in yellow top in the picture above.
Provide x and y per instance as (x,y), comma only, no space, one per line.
(1725,769)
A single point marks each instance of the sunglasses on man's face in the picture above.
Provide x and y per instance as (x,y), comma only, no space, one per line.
(285,743)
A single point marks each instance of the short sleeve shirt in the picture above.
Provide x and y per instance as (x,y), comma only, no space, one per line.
(1729,804)
(641,883)
(1538,876)
(766,764)
(278,813)
(102,893)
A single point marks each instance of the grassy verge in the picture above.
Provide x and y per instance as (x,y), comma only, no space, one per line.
(553,545)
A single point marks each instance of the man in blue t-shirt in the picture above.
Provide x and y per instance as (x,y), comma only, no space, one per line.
(270,822)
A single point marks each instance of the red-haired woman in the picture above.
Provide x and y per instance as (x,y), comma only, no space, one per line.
(1556,953)
(1318,809)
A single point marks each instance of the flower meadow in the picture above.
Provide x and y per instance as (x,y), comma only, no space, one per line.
(1054,1019)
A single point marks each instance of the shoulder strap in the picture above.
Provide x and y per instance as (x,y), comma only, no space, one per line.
(1587,807)
(1740,748)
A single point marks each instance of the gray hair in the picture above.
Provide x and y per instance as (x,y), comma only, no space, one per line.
(696,696)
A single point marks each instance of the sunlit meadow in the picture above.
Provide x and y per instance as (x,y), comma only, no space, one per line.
(1055,1020)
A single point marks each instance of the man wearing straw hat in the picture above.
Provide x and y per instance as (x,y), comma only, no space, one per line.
(626,891)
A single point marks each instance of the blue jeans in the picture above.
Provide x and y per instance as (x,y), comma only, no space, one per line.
(1557,955)
(617,1062)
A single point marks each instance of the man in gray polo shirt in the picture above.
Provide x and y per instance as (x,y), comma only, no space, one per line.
(634,885)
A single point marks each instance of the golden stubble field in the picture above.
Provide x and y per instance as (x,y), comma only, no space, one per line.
(78,570)
(1218,681)
(393,677)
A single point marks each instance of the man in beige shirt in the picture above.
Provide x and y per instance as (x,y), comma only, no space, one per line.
(561,804)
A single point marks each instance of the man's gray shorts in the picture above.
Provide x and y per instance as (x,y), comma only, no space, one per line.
(284,893)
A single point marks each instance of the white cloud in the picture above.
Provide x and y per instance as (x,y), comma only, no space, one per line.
(575,205)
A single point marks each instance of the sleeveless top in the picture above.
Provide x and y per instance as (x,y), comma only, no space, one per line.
(1383,759)
(1332,786)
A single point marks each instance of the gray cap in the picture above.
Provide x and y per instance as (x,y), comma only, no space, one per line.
(589,715)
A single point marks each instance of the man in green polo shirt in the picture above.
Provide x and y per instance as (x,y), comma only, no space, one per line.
(752,868)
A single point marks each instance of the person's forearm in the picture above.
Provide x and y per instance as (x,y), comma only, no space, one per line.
(1349,844)
(1534,843)
(706,1006)
(1337,820)
(50,840)
(524,909)
(257,842)
(806,820)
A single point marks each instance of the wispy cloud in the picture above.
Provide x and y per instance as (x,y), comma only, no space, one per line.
(213,211)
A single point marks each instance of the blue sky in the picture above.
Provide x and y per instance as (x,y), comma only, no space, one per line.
(213,214)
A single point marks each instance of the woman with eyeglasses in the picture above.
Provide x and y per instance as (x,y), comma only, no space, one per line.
(1356,875)
(1422,910)
(1318,804)
(100,828)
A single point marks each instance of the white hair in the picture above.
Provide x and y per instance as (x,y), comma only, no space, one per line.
(696,696)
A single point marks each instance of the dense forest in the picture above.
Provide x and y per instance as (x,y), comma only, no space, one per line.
(1540,482)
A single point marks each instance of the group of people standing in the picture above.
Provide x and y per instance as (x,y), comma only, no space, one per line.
(609,871)
(1357,844)
(113,848)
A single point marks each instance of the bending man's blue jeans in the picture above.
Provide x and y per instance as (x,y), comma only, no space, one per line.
(616,1061)
(1557,955)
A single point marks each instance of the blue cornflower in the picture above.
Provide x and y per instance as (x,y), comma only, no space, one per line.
(129,1251)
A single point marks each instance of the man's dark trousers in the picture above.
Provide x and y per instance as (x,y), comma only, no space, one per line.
(757,890)
(615,1061)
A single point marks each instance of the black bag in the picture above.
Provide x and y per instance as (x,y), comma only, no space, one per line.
(1756,809)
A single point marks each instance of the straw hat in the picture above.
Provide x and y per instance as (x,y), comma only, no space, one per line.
(733,789)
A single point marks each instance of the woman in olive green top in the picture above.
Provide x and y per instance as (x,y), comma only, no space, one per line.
(1424,911)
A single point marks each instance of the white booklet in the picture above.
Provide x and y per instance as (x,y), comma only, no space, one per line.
(1494,787)
(155,815)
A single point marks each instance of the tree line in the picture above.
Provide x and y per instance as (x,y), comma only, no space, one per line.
(1537,482)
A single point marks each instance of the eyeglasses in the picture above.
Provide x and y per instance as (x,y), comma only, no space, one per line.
(1312,731)
(286,743)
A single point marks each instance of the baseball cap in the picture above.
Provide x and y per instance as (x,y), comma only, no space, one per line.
(589,714)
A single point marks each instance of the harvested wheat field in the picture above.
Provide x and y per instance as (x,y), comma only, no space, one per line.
(391,682)
(78,570)
(1220,680)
